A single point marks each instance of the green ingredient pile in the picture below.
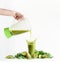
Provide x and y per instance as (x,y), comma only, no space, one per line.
(26,55)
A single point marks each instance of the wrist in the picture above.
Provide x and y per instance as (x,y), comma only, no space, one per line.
(13,13)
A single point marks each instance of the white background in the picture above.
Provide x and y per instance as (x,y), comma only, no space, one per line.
(44,16)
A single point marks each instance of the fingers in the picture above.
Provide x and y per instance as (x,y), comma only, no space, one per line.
(18,16)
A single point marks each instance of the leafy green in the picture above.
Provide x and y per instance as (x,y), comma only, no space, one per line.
(41,53)
(48,55)
(19,56)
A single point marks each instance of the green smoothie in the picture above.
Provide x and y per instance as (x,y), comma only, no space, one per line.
(10,33)
(31,47)
(15,32)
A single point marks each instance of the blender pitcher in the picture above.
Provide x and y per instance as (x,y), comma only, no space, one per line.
(18,28)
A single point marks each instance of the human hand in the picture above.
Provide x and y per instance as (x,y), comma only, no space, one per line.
(18,16)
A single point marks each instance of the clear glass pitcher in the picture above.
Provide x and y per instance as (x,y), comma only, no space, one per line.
(17,28)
